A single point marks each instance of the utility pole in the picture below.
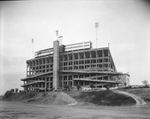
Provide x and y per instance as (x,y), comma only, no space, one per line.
(96,26)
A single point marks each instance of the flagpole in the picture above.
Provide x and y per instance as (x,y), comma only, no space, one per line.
(96,26)
(32,48)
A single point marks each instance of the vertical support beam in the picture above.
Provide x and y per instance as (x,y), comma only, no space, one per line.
(45,84)
(62,79)
(84,59)
(72,80)
(49,81)
(108,78)
(72,61)
(78,60)
(27,71)
(30,69)
(102,60)
(56,64)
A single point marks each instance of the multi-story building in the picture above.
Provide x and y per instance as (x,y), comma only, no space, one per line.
(73,64)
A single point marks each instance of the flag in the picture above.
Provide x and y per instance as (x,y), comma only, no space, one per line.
(96,25)
(57,32)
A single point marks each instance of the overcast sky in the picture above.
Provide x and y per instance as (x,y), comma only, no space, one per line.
(125,24)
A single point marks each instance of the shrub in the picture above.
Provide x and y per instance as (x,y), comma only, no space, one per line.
(106,98)
(30,94)
(44,94)
(7,94)
(66,87)
(12,90)
(78,87)
(147,99)
(92,85)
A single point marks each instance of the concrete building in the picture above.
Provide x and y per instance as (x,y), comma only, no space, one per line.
(73,64)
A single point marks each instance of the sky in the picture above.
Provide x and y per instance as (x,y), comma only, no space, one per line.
(124,24)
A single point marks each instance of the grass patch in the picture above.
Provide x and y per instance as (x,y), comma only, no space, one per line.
(108,98)
(9,96)
(144,93)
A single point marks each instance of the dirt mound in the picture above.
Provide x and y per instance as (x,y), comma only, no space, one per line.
(52,98)
(64,98)
(49,97)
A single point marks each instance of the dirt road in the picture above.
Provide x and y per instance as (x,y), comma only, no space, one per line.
(17,110)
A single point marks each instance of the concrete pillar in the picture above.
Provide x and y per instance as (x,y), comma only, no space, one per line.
(55,64)
(45,85)
(27,71)
(73,80)
(62,78)
(49,83)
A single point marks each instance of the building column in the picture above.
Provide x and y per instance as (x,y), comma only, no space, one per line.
(55,64)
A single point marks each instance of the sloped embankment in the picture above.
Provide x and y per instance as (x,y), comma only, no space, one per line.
(143,93)
(139,100)
(63,98)
(108,98)
(59,98)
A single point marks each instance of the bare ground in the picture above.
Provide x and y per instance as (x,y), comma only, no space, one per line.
(18,110)
(39,110)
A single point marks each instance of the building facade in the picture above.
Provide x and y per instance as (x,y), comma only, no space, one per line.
(73,64)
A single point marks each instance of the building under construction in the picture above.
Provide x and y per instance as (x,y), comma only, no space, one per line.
(73,64)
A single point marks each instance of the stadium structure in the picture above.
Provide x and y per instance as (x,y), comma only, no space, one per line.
(73,64)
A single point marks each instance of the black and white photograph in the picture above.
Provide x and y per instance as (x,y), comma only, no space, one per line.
(75,59)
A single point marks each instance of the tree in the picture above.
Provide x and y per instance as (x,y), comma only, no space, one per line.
(7,94)
(12,90)
(67,87)
(108,86)
(145,82)
(16,90)
(78,87)
(92,86)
